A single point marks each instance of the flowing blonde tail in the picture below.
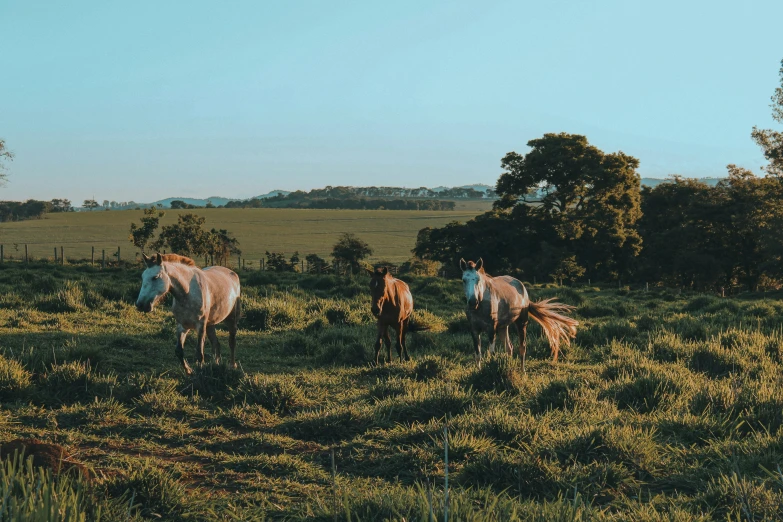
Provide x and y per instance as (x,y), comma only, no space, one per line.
(558,328)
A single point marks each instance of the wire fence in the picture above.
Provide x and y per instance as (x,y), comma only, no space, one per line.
(107,256)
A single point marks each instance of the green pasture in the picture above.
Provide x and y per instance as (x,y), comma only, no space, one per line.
(667,407)
(391,233)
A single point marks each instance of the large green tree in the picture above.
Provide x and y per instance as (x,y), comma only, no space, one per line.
(769,140)
(701,236)
(567,210)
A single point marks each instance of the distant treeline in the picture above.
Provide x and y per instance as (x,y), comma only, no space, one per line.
(32,209)
(345,200)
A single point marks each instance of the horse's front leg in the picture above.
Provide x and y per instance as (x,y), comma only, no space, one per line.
(179,351)
(492,333)
(387,340)
(476,335)
(201,332)
(378,342)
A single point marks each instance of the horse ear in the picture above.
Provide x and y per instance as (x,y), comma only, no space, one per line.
(480,264)
(462,264)
(384,271)
(158,259)
(147,260)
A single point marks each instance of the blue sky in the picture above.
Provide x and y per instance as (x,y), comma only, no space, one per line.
(145,100)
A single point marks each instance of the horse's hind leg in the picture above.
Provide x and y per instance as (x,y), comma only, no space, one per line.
(522,333)
(233,325)
(401,353)
(403,343)
(179,351)
(213,340)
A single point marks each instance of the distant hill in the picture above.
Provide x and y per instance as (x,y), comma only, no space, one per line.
(476,191)
(215,200)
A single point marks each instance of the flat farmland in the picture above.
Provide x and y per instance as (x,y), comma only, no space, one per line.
(391,233)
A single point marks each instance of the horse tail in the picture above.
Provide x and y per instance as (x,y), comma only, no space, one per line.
(557,327)
(238,309)
(414,326)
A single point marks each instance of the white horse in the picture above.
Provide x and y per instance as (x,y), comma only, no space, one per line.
(202,299)
(495,303)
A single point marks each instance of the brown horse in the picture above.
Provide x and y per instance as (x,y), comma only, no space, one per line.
(495,303)
(202,299)
(392,304)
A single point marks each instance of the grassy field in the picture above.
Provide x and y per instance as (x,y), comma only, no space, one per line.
(668,407)
(391,233)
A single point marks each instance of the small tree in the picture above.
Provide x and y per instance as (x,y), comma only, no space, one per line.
(351,250)
(222,245)
(141,235)
(5,155)
(186,237)
(276,261)
(90,204)
(316,263)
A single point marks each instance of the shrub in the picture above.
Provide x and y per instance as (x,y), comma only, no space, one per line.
(154,491)
(278,394)
(498,373)
(14,380)
(32,494)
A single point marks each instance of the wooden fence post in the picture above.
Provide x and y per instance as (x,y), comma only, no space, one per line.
(55,255)
(62,256)
(92,257)
(26,257)
(118,255)
(2,253)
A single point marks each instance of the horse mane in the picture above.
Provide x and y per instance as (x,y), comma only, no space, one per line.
(176,258)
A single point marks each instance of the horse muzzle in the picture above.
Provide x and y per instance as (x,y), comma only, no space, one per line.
(376,310)
(473,303)
(144,307)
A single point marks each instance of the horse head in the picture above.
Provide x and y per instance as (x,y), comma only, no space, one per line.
(155,283)
(378,280)
(473,281)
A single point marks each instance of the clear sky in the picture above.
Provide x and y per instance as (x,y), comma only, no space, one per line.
(145,100)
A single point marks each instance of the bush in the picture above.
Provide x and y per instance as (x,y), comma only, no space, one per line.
(498,373)
(34,495)
(14,380)
(154,491)
(278,394)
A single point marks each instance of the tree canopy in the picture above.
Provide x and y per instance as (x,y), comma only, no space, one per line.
(351,250)
(566,209)
(771,141)
(5,156)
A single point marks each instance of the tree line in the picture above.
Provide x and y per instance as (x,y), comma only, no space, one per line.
(570,212)
(32,209)
(300,199)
